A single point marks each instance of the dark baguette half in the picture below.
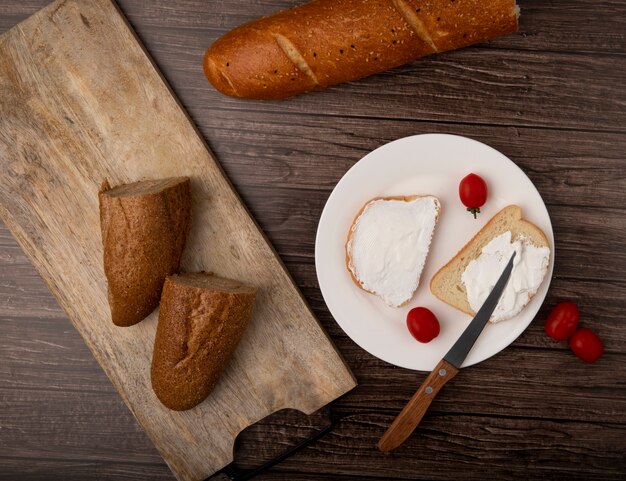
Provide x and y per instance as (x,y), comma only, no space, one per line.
(144,228)
(326,42)
(201,320)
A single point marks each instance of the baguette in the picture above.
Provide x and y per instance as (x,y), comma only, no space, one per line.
(201,320)
(386,256)
(447,284)
(326,42)
(144,229)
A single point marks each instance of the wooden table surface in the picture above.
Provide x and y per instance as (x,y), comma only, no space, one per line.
(551,97)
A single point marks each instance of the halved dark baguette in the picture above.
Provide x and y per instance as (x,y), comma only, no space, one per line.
(201,320)
(325,42)
(144,229)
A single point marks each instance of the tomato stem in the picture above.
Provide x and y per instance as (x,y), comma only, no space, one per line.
(474,210)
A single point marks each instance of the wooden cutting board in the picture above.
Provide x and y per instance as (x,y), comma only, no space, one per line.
(80,101)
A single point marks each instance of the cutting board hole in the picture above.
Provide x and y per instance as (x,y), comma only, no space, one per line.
(274,434)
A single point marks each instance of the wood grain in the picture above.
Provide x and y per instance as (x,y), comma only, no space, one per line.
(122,124)
(453,446)
(542,26)
(455,441)
(40,469)
(531,412)
(48,354)
(580,168)
(558,88)
(564,90)
(578,25)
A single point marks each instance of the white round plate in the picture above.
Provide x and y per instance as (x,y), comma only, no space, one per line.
(423,164)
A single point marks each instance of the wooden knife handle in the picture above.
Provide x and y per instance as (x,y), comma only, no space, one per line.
(408,419)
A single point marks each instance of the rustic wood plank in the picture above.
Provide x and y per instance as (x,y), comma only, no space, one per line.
(47,354)
(281,474)
(568,167)
(466,447)
(32,469)
(87,117)
(574,25)
(29,468)
(22,290)
(578,25)
(488,86)
(102,429)
(481,86)
(568,26)
(500,446)
(518,382)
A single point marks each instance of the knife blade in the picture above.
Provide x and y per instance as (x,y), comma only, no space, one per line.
(461,348)
(408,419)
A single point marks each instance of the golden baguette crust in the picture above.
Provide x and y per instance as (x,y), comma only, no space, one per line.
(405,198)
(201,320)
(447,285)
(325,42)
(144,228)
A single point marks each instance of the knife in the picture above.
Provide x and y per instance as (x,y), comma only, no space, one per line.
(408,419)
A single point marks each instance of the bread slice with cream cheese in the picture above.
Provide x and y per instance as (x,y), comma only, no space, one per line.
(388,243)
(469,277)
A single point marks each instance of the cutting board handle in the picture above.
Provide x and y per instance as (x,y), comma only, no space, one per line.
(408,419)
(235,474)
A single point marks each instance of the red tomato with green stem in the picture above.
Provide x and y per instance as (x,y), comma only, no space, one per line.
(423,324)
(562,321)
(473,193)
(587,345)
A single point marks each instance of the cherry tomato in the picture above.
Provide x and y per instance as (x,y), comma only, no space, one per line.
(562,321)
(423,324)
(586,345)
(473,193)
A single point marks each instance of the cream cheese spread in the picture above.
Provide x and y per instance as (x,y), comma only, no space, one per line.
(529,269)
(389,244)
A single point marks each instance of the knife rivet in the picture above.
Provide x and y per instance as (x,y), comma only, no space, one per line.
(442,372)
(429,390)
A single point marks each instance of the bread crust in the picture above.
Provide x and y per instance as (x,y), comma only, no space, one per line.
(475,243)
(144,227)
(198,331)
(407,198)
(326,42)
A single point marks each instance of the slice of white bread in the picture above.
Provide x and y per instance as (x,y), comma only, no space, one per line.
(388,243)
(447,283)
